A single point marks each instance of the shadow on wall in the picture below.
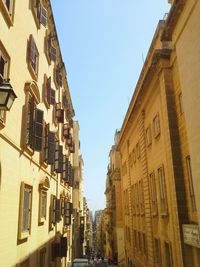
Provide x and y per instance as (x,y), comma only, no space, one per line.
(50,254)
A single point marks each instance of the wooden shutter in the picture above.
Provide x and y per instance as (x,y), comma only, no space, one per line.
(60,160)
(68,170)
(56,155)
(71,177)
(66,130)
(69,140)
(58,210)
(32,53)
(30,122)
(68,212)
(64,174)
(63,247)
(53,53)
(53,97)
(62,206)
(38,130)
(48,90)
(59,113)
(53,209)
(55,250)
(58,77)
(51,147)
(43,16)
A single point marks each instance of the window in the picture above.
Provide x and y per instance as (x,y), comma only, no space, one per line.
(7,7)
(137,199)
(135,238)
(191,186)
(168,255)
(134,155)
(59,113)
(42,206)
(58,76)
(42,258)
(141,197)
(39,12)
(157,252)
(53,211)
(58,162)
(25,211)
(148,136)
(133,199)
(144,244)
(50,49)
(163,194)
(153,194)
(49,93)
(4,74)
(33,57)
(68,211)
(156,126)
(138,150)
(48,155)
(34,125)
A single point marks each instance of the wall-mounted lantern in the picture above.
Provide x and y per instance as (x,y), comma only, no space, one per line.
(7,95)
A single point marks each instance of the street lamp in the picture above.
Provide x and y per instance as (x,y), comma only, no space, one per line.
(7,95)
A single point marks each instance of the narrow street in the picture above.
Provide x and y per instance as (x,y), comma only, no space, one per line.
(99,133)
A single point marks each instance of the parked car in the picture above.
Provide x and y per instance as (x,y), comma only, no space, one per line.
(80,262)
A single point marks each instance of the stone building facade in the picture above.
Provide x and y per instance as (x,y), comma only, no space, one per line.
(36,140)
(158,147)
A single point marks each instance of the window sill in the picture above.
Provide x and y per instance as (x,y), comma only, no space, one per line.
(24,235)
(32,72)
(164,214)
(28,150)
(8,17)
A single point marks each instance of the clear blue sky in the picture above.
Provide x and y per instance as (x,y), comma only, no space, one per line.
(103,43)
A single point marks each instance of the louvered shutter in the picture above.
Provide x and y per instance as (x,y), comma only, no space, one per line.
(58,211)
(32,54)
(58,77)
(51,147)
(53,209)
(46,142)
(68,212)
(53,53)
(30,122)
(43,16)
(53,95)
(63,247)
(62,206)
(38,130)
(64,168)
(48,90)
(66,130)
(59,113)
(56,155)
(68,171)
